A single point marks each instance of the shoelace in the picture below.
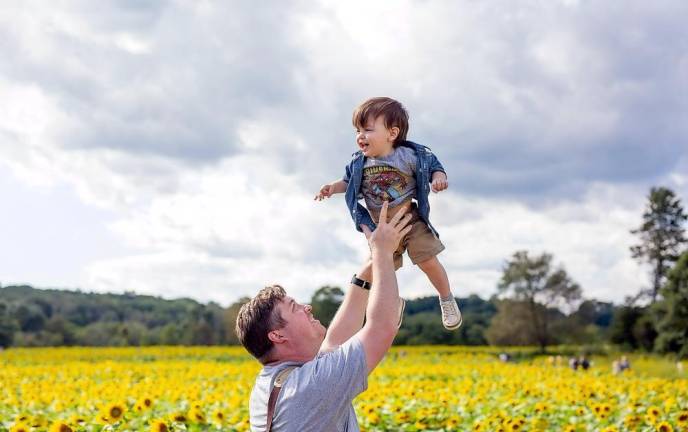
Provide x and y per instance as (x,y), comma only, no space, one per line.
(449,310)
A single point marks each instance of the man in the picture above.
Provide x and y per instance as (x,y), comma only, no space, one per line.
(328,369)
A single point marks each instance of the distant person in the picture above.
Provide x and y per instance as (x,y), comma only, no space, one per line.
(583,363)
(387,167)
(624,364)
(504,357)
(573,363)
(311,375)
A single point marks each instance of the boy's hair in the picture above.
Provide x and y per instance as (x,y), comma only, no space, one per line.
(393,111)
(259,317)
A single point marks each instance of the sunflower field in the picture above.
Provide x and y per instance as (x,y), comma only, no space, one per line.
(163,389)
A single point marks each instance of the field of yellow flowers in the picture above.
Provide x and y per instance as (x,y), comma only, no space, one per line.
(414,389)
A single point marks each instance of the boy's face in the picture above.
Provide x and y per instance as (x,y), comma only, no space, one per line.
(375,140)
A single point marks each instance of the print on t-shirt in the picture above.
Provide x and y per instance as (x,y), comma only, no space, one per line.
(385,183)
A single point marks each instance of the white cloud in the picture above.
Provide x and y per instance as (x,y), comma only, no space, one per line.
(207,130)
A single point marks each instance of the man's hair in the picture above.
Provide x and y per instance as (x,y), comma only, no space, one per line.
(394,114)
(259,317)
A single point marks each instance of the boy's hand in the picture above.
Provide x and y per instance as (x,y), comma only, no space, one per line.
(439,181)
(325,192)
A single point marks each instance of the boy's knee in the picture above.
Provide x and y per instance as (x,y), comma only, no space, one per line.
(429,264)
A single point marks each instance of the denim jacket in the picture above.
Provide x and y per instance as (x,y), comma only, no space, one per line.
(426,165)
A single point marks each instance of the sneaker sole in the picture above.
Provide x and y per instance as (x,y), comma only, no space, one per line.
(401,312)
(455,326)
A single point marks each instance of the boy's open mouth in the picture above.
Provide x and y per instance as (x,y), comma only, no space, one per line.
(363,146)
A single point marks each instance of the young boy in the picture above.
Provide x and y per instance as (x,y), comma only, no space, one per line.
(387,167)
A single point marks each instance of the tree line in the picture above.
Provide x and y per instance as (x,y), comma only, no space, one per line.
(537,303)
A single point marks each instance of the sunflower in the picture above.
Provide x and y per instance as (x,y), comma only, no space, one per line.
(654,411)
(664,427)
(179,417)
(21,418)
(60,427)
(159,426)
(452,422)
(515,426)
(112,413)
(218,416)
(20,427)
(402,417)
(143,404)
(197,415)
(683,418)
(372,418)
(76,419)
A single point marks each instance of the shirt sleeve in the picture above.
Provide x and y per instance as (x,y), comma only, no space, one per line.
(343,371)
(435,164)
(347,174)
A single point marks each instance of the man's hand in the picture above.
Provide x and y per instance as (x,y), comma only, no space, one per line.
(326,191)
(439,181)
(386,237)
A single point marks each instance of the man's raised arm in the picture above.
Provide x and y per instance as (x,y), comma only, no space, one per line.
(383,305)
(349,317)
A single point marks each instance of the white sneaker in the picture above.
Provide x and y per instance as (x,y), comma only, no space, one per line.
(402,306)
(451,315)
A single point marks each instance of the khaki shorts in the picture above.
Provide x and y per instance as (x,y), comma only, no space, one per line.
(420,242)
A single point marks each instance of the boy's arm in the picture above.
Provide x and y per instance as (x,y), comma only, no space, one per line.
(435,164)
(438,177)
(326,191)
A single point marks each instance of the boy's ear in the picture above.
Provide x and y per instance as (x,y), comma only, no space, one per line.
(394,133)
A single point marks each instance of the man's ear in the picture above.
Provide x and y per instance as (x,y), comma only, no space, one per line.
(276,337)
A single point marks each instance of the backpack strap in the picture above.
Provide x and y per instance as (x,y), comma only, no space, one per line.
(277,386)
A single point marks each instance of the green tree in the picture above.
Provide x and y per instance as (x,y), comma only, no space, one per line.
(541,287)
(30,317)
(633,327)
(8,326)
(672,327)
(229,320)
(661,236)
(512,324)
(325,302)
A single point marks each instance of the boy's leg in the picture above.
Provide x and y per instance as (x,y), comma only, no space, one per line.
(423,248)
(434,270)
(451,315)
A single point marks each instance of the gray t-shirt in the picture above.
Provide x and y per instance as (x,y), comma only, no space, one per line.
(316,396)
(390,178)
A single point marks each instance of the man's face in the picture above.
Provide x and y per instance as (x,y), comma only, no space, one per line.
(301,324)
(374,139)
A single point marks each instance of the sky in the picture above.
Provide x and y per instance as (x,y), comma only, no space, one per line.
(174,148)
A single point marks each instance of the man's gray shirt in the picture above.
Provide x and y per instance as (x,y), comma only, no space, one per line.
(317,395)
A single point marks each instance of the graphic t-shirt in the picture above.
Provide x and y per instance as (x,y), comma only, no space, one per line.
(390,178)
